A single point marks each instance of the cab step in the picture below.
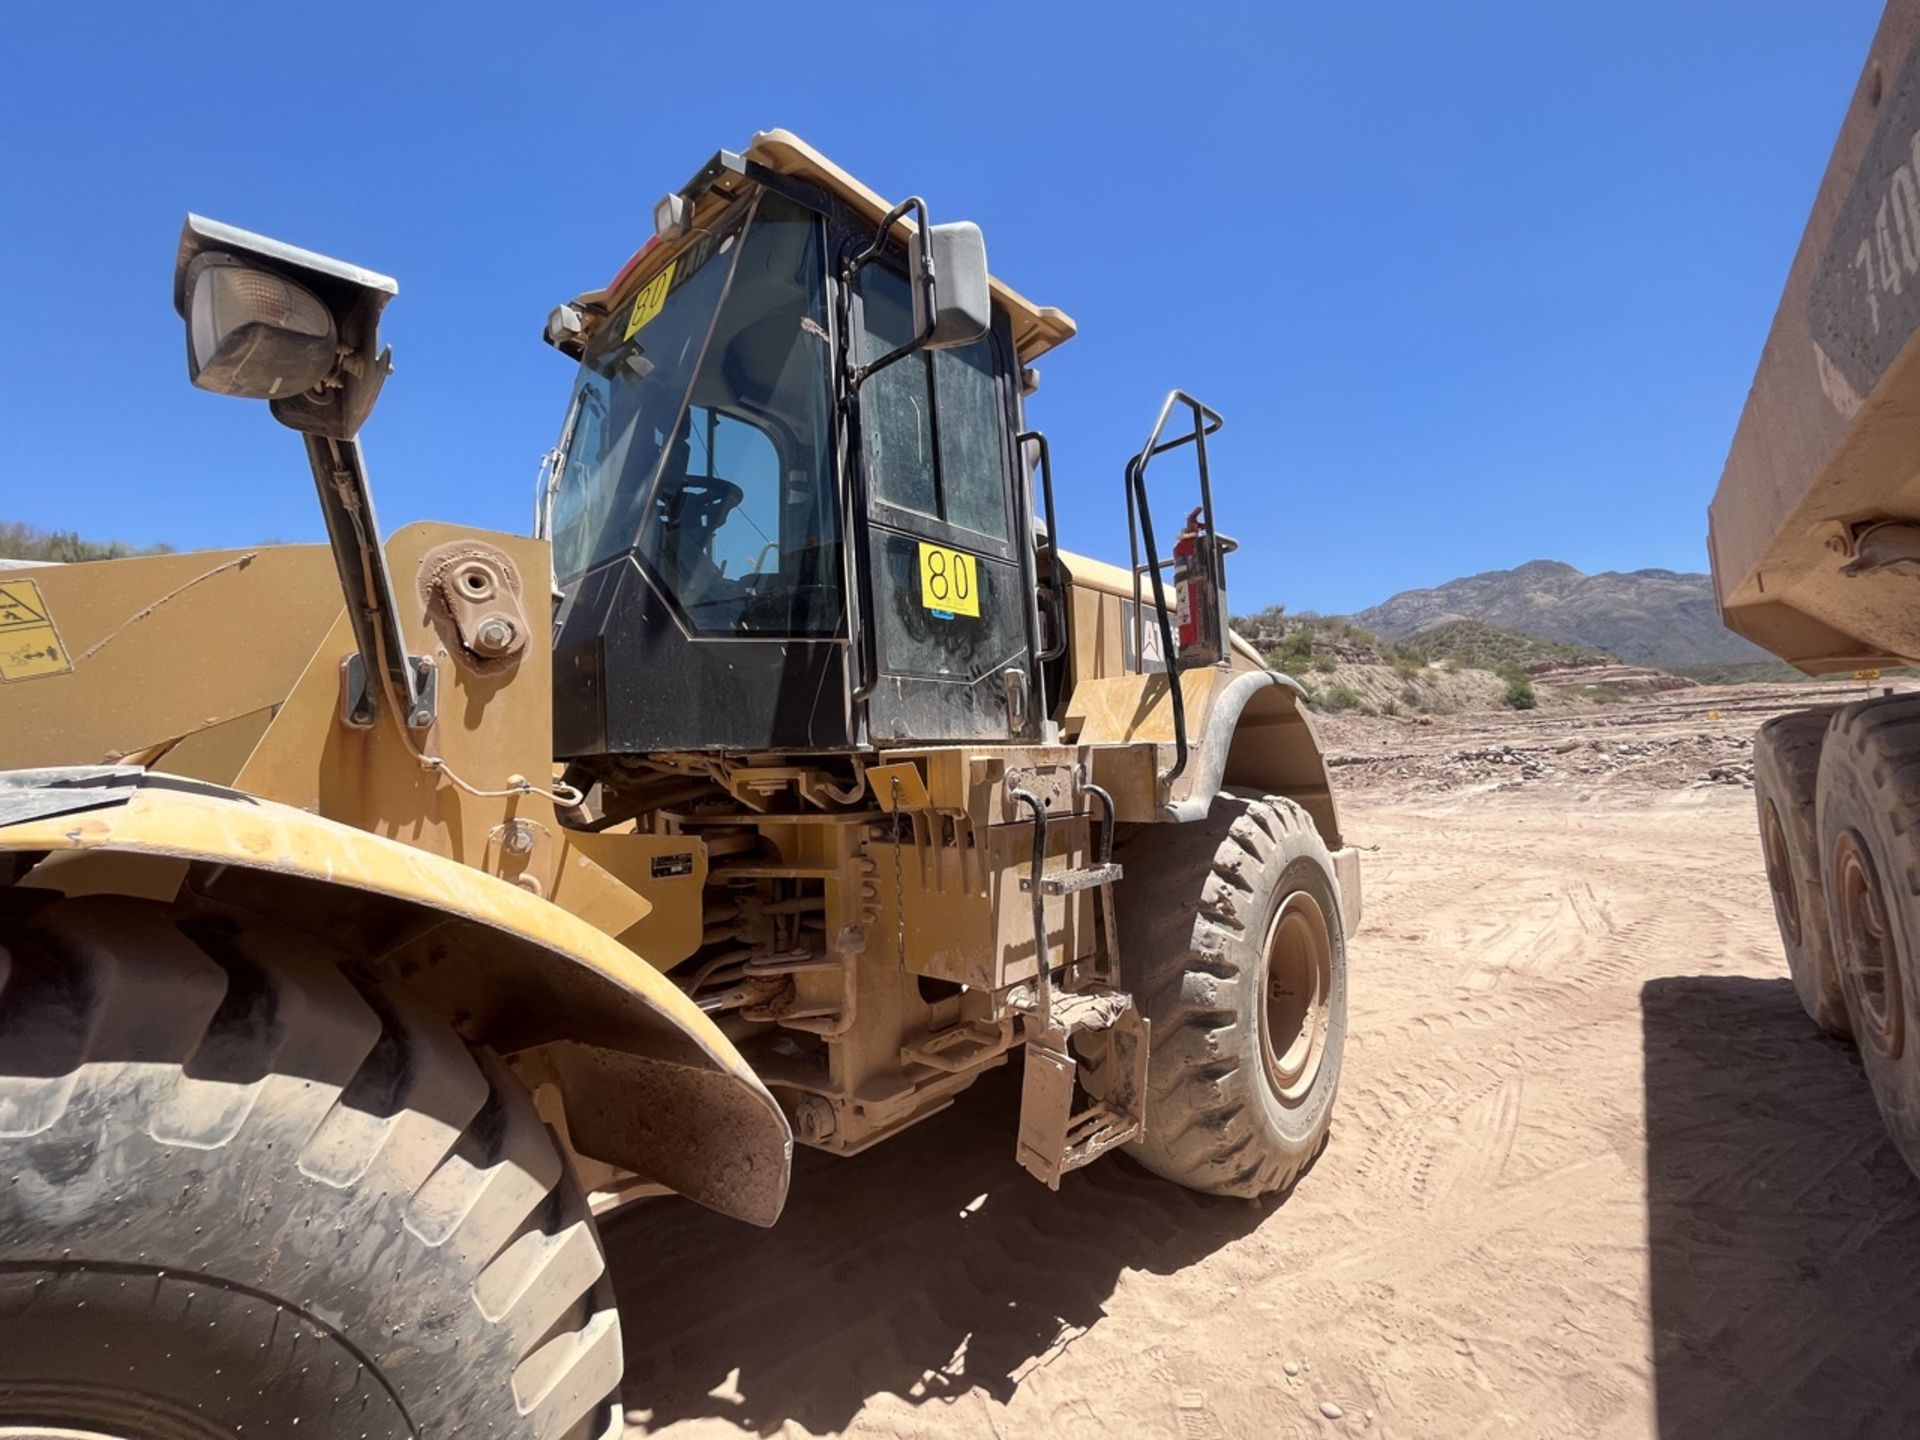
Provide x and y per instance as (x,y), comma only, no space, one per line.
(1072,882)
(1055,1138)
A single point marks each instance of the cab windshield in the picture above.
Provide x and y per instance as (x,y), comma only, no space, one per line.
(700,436)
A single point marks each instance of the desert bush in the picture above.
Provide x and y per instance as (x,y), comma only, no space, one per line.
(20,541)
(1520,693)
(1340,697)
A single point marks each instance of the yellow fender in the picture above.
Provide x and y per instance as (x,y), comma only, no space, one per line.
(650,1083)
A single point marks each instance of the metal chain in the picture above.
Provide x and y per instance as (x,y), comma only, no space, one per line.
(899,882)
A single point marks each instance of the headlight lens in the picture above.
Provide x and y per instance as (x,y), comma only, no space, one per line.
(254,333)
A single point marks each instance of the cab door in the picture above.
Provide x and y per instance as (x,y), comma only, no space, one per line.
(947,546)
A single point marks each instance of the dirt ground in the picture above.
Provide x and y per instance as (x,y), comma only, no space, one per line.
(1592,1171)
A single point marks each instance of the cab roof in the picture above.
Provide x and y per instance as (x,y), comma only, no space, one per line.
(1036,328)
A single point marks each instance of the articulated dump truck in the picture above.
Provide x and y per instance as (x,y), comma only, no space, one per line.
(375,915)
(1815,537)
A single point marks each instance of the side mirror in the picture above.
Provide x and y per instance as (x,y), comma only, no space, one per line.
(270,321)
(962,305)
(947,276)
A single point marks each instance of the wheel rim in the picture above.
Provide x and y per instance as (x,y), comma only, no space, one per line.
(1297,997)
(93,1412)
(1866,943)
(1786,898)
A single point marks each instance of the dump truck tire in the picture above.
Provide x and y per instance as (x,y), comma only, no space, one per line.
(1869,820)
(1786,771)
(1230,935)
(244,1191)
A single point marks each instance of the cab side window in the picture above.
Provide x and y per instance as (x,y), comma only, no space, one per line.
(931,422)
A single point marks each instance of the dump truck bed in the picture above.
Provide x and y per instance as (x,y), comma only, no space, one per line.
(1829,441)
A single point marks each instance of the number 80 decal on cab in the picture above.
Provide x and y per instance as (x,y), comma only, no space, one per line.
(949,582)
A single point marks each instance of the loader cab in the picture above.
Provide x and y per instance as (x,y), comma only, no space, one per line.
(757,548)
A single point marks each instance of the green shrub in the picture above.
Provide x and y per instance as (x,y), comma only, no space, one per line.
(20,541)
(1294,655)
(1340,697)
(1520,695)
(1323,664)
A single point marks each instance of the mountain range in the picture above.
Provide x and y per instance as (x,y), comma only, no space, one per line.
(1660,618)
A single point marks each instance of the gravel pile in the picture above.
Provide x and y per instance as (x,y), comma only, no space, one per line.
(1657,763)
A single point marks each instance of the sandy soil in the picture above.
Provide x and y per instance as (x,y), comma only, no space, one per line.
(1592,1172)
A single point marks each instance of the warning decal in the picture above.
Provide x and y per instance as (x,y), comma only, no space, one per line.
(29,645)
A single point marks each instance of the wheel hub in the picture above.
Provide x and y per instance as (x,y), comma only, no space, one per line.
(1866,943)
(1297,998)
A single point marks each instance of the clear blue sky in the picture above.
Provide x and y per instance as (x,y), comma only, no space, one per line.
(1471,283)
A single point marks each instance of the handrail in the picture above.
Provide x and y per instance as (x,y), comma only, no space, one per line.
(1206,421)
(864,651)
(1045,467)
(1042,952)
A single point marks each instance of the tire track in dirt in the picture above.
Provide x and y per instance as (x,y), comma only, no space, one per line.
(1504,1215)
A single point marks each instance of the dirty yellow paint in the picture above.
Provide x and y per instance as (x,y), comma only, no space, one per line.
(161,819)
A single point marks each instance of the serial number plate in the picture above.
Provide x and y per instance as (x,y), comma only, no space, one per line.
(949,581)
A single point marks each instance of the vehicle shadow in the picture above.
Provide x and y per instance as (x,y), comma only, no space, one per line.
(926,1267)
(1783,1229)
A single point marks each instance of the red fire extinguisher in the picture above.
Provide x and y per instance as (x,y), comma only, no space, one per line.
(1197,595)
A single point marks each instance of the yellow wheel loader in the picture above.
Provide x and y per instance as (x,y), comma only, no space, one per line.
(375,914)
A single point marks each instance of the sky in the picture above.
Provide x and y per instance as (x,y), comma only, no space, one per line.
(1471,283)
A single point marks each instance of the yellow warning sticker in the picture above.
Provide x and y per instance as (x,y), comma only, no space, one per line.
(29,645)
(651,300)
(949,581)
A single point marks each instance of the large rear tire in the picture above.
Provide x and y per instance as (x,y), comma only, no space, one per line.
(1869,817)
(1786,770)
(244,1192)
(1230,934)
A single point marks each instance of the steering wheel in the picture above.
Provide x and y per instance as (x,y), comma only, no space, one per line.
(701,502)
(773,611)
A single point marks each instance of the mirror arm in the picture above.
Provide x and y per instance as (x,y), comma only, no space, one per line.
(858,375)
(1057,576)
(346,500)
(866,647)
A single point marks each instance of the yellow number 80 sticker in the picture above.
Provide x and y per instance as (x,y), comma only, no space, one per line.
(650,301)
(949,581)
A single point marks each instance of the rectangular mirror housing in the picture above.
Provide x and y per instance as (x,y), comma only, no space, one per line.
(962,302)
